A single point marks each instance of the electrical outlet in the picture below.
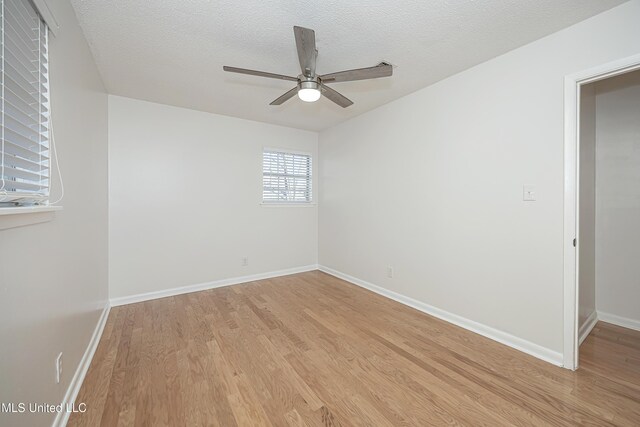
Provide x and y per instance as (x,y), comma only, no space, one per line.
(244,261)
(390,272)
(59,368)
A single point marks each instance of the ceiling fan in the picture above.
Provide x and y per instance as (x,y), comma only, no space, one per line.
(311,86)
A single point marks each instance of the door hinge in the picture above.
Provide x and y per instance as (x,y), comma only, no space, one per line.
(574,242)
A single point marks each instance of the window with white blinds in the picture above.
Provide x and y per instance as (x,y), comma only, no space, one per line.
(24,115)
(286,177)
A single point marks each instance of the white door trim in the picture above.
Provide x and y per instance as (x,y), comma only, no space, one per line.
(572,84)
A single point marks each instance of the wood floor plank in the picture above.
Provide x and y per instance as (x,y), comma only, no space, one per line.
(99,374)
(312,350)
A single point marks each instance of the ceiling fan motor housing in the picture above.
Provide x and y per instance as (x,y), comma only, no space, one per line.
(309,84)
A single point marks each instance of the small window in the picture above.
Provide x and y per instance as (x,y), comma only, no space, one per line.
(24,105)
(286,177)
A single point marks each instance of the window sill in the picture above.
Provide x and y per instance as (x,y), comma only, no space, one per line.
(21,216)
(288,205)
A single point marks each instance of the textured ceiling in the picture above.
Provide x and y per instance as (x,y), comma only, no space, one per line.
(172,51)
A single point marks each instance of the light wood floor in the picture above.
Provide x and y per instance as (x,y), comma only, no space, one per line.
(310,349)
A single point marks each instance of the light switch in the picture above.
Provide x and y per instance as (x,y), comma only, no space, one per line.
(529,193)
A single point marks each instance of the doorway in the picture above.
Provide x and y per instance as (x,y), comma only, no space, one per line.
(600,186)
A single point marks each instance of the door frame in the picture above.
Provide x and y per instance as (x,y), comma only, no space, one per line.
(572,85)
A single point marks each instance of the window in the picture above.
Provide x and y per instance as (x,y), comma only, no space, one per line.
(286,177)
(24,105)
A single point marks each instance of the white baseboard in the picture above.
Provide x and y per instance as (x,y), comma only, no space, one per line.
(587,327)
(208,285)
(78,377)
(525,346)
(619,321)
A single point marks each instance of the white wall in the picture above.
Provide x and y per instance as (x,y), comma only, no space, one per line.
(587,208)
(53,276)
(618,196)
(185,193)
(432,184)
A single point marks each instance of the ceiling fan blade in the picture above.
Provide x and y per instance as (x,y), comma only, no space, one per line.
(259,73)
(287,96)
(381,70)
(336,96)
(307,52)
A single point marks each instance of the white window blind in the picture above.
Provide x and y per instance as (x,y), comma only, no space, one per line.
(286,177)
(24,115)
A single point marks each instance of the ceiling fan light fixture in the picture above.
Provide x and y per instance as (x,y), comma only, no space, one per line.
(309,91)
(310,86)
